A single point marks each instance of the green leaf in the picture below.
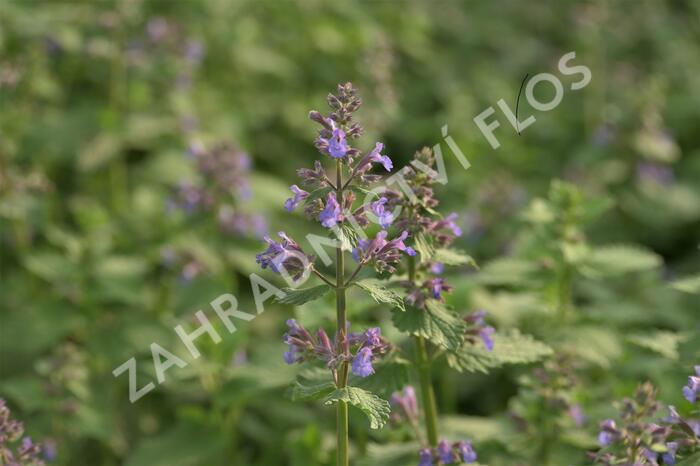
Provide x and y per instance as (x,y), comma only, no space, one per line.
(391,454)
(376,409)
(689,284)
(510,348)
(424,247)
(619,259)
(301,296)
(389,377)
(380,293)
(319,193)
(693,460)
(347,235)
(312,384)
(454,257)
(436,323)
(506,271)
(662,342)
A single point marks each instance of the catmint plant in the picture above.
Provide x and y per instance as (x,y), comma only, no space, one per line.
(329,198)
(15,448)
(642,438)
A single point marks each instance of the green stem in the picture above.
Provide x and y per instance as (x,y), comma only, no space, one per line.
(564,292)
(424,374)
(342,410)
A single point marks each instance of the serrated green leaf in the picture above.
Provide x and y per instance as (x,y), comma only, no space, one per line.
(454,257)
(510,348)
(301,296)
(597,345)
(347,235)
(376,409)
(662,342)
(619,259)
(312,384)
(424,247)
(689,284)
(380,293)
(436,323)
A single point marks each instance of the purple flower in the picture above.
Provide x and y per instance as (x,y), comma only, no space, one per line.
(486,336)
(426,457)
(436,286)
(316,177)
(286,254)
(690,391)
(445,452)
(332,214)
(299,196)
(374,157)
(384,216)
(362,364)
(337,145)
(437,268)
(449,222)
(669,456)
(407,402)
(373,336)
(608,433)
(467,452)
(384,254)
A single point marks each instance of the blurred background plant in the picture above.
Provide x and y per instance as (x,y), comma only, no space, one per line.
(114,111)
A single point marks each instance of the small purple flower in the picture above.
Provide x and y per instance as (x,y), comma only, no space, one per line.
(407,401)
(445,452)
(669,456)
(287,254)
(467,452)
(486,334)
(362,364)
(608,433)
(332,214)
(436,286)
(384,254)
(690,391)
(384,216)
(437,268)
(337,145)
(373,336)
(426,457)
(299,196)
(374,157)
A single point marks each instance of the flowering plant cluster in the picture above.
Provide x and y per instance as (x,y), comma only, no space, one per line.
(26,453)
(642,439)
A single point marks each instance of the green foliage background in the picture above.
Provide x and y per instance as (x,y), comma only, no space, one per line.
(92,145)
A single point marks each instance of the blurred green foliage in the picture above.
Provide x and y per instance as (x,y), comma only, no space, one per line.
(101,99)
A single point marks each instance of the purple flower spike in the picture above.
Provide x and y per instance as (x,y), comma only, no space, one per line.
(445,452)
(426,457)
(467,452)
(362,364)
(384,216)
(299,196)
(331,215)
(486,336)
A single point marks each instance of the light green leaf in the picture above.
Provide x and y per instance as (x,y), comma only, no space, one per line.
(424,247)
(454,257)
(313,384)
(300,296)
(662,342)
(380,293)
(689,284)
(693,460)
(619,259)
(391,454)
(436,323)
(376,409)
(510,348)
(506,271)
